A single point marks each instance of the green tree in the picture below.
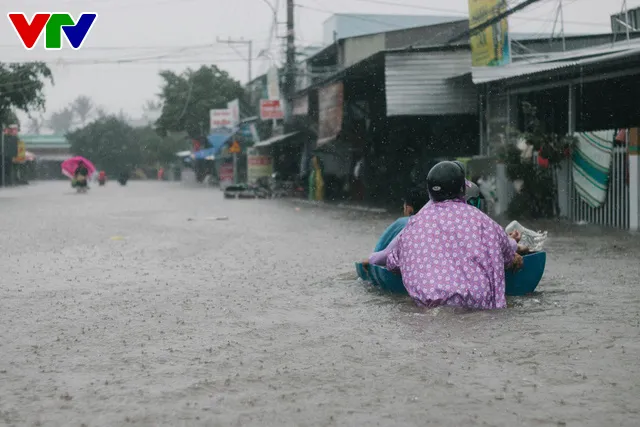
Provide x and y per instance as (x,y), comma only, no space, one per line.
(187,98)
(151,110)
(82,107)
(110,143)
(21,87)
(159,150)
(61,121)
(101,112)
(35,125)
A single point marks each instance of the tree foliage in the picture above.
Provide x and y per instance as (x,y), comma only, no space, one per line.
(83,107)
(22,87)
(109,142)
(187,98)
(61,121)
(35,124)
(115,146)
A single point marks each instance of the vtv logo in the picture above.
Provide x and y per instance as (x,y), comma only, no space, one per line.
(53,24)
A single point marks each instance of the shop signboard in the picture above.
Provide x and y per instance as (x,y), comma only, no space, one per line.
(301,106)
(271,109)
(234,108)
(225,175)
(21,156)
(258,166)
(330,112)
(221,119)
(490,47)
(273,84)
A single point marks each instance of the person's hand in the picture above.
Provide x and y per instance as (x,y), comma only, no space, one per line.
(517,262)
(515,235)
(522,249)
(365,263)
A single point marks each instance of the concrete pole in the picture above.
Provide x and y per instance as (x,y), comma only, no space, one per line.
(634,179)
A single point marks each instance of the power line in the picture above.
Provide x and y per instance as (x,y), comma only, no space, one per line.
(499,17)
(462,14)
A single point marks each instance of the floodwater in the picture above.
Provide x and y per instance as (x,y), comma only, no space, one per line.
(163,304)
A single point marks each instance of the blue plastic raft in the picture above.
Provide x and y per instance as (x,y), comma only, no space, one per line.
(523,282)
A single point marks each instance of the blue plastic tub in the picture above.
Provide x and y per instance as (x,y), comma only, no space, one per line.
(526,280)
(522,282)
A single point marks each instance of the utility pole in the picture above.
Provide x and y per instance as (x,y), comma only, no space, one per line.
(564,43)
(626,19)
(559,15)
(4,164)
(249,45)
(291,61)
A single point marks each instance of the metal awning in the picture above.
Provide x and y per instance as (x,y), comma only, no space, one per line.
(53,157)
(560,61)
(275,139)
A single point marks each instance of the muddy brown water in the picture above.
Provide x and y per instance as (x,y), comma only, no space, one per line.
(183,319)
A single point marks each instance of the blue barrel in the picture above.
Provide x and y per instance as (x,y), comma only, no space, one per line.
(522,282)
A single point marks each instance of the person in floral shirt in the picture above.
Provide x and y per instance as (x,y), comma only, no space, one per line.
(451,253)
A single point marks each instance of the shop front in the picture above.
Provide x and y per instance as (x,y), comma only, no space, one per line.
(591,94)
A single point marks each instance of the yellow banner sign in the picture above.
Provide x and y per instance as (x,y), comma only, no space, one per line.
(490,47)
(21,157)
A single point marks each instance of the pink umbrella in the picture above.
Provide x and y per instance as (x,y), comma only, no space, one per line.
(69,166)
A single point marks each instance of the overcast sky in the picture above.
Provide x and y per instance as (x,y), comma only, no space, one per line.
(159,34)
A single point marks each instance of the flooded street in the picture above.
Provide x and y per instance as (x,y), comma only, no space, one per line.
(163,304)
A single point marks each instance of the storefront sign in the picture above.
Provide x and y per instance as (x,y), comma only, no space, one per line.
(271,109)
(21,157)
(301,106)
(258,167)
(273,84)
(225,175)
(330,106)
(234,108)
(490,47)
(221,118)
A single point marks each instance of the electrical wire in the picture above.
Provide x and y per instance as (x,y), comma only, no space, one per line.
(364,18)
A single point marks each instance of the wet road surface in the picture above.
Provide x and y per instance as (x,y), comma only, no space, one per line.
(138,305)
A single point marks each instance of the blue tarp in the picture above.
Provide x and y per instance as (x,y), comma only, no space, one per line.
(217,141)
(203,154)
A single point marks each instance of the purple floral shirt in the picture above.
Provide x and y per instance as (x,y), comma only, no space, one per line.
(451,253)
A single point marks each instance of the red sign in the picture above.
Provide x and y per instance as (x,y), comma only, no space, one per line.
(12,130)
(220,118)
(270,109)
(225,172)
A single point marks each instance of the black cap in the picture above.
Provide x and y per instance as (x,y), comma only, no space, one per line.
(416,198)
(446,181)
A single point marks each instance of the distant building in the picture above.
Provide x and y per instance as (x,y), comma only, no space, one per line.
(50,151)
(618,21)
(345,25)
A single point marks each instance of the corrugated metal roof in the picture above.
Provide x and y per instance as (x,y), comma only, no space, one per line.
(45,141)
(418,84)
(594,55)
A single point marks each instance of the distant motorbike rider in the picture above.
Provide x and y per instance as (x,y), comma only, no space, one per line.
(123,178)
(80,175)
